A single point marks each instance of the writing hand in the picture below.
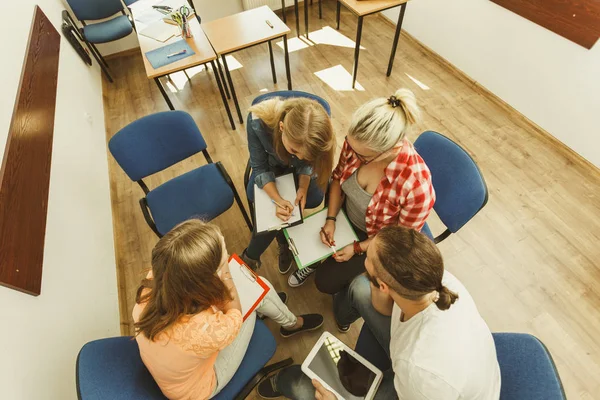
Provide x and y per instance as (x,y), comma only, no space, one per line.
(344,254)
(284,213)
(328,237)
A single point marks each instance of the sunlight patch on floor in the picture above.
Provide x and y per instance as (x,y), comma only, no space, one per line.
(338,78)
(418,82)
(325,36)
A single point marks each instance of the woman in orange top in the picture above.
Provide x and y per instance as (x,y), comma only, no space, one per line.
(188,314)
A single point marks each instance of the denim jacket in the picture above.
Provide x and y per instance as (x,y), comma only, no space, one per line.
(263,158)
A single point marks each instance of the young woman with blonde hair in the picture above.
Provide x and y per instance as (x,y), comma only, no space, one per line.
(380,180)
(284,134)
(188,316)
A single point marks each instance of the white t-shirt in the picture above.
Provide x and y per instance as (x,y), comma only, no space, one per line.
(445,355)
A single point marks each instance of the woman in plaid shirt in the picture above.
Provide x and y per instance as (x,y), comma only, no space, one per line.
(379,180)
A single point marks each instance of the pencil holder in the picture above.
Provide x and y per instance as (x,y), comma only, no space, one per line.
(186,32)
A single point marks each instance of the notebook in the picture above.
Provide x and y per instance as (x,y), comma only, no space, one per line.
(264,208)
(251,288)
(305,240)
(160,31)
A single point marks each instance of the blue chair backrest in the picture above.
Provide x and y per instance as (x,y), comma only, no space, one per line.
(156,142)
(112,369)
(459,185)
(287,94)
(89,10)
(526,368)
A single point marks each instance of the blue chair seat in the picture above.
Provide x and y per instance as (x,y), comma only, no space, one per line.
(202,192)
(260,350)
(427,231)
(527,369)
(107,31)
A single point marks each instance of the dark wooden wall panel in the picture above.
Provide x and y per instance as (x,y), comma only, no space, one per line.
(25,171)
(576,20)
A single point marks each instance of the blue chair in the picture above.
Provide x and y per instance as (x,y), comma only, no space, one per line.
(526,366)
(158,141)
(527,369)
(111,369)
(101,32)
(459,185)
(286,94)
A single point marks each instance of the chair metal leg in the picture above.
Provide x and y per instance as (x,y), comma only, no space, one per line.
(235,100)
(297,18)
(100,63)
(272,62)
(357,51)
(236,195)
(100,55)
(320,9)
(269,369)
(220,72)
(164,93)
(225,103)
(288,73)
(396,36)
(337,14)
(283,11)
(306,17)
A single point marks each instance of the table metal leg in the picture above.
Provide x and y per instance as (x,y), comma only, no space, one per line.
(186,75)
(220,72)
(164,93)
(225,103)
(287,62)
(235,100)
(337,14)
(297,18)
(320,9)
(283,11)
(357,51)
(396,36)
(272,63)
(306,17)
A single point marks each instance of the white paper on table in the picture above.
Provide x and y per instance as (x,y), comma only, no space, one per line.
(306,238)
(265,209)
(160,31)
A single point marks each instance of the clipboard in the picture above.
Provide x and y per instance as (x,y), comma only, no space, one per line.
(305,240)
(251,288)
(264,208)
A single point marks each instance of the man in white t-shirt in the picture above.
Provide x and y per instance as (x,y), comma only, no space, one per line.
(424,319)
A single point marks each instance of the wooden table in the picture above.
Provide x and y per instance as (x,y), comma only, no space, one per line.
(204,54)
(362,9)
(243,30)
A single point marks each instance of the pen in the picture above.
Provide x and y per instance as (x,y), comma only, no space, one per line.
(280,206)
(330,243)
(269,23)
(178,53)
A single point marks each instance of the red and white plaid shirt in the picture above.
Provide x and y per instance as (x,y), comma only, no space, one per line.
(405,195)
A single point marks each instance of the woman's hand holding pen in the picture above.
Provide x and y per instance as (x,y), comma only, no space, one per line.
(283,209)
(327,233)
(344,254)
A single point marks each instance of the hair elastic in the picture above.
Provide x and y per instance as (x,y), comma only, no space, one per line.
(393,101)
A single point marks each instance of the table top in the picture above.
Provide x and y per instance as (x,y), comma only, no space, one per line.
(199,43)
(366,7)
(244,29)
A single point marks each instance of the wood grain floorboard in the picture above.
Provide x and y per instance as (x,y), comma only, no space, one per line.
(529,258)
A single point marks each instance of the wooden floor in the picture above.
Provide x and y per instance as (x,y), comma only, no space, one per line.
(530,258)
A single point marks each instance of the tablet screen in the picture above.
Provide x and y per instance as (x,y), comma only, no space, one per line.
(342,372)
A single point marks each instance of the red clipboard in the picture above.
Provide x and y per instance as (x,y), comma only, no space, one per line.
(248,272)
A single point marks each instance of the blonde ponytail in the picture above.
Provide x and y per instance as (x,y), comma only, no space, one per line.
(381,123)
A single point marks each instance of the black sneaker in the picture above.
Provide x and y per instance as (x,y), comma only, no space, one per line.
(311,323)
(300,276)
(266,389)
(285,259)
(253,264)
(342,328)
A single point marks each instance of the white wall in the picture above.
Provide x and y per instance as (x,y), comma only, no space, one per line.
(551,80)
(41,336)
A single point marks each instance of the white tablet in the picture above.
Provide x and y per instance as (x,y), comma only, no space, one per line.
(341,370)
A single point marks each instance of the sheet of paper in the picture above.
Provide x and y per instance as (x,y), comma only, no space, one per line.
(160,31)
(265,209)
(249,288)
(307,240)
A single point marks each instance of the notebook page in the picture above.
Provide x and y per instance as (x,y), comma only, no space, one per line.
(249,290)
(265,209)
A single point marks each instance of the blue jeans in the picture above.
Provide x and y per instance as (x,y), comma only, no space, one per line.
(350,304)
(259,243)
